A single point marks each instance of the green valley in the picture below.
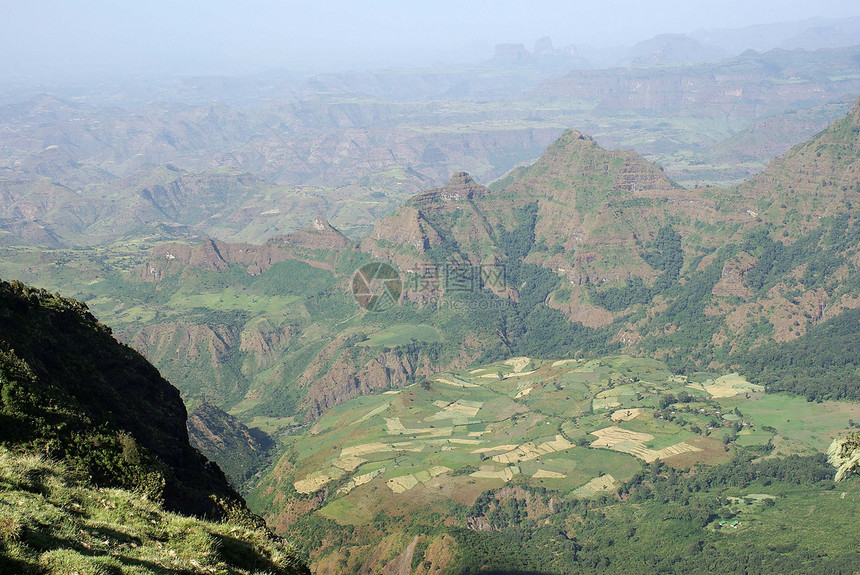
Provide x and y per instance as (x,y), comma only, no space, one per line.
(569,310)
(517,445)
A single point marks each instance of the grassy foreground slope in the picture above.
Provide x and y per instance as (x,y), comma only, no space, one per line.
(53,523)
(96,471)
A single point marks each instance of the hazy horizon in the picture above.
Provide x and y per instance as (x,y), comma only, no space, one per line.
(68,39)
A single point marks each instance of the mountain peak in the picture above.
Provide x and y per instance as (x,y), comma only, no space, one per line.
(319,235)
(598,174)
(460,187)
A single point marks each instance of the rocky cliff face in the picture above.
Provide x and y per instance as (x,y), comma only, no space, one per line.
(83,395)
(751,85)
(238,450)
(461,187)
(340,372)
(442,215)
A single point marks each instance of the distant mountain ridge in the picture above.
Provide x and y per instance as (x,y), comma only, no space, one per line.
(598,243)
(353,148)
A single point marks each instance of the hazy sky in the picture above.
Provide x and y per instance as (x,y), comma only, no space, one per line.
(197,36)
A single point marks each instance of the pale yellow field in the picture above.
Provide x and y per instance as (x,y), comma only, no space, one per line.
(518,363)
(489,472)
(401,484)
(455,383)
(529,451)
(366,448)
(315,481)
(625,414)
(518,374)
(632,442)
(496,448)
(611,436)
(407,482)
(349,463)
(727,386)
(595,486)
(359,480)
(546,474)
(373,412)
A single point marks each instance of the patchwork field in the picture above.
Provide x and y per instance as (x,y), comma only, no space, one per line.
(580,427)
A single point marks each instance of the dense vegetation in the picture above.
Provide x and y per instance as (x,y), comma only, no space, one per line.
(824,363)
(106,419)
(71,391)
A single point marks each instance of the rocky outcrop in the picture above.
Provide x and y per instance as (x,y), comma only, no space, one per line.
(461,187)
(211,343)
(263,342)
(403,238)
(732,278)
(304,245)
(237,449)
(342,382)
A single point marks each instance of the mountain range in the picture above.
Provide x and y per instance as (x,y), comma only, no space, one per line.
(577,361)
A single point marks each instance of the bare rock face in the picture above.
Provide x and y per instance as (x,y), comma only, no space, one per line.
(406,236)
(264,341)
(732,279)
(460,187)
(343,382)
(210,343)
(403,238)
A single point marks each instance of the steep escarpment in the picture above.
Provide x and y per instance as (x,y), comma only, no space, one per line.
(433,226)
(239,450)
(347,378)
(71,389)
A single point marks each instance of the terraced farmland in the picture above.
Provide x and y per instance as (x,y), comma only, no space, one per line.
(578,427)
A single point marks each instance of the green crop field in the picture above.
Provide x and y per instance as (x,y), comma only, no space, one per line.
(529,421)
(810,423)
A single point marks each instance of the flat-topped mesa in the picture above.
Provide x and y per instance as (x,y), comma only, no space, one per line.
(461,187)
